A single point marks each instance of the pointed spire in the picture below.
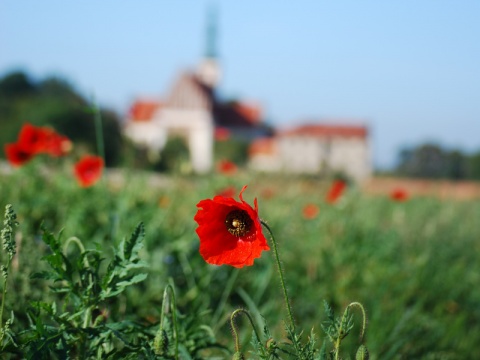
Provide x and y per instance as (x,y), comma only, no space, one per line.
(211,32)
(209,71)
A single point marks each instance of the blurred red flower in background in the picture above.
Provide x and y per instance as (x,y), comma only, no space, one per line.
(310,211)
(88,170)
(227,192)
(56,145)
(335,192)
(226,167)
(230,232)
(399,194)
(222,134)
(33,140)
(16,155)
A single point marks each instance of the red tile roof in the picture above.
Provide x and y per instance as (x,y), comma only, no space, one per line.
(263,146)
(143,110)
(325,130)
(252,113)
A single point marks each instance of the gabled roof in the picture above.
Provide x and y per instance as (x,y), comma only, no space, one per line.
(236,114)
(188,92)
(326,130)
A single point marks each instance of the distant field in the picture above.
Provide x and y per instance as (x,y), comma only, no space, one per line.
(413,264)
(443,189)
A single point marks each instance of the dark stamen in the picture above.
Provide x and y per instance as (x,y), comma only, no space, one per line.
(238,222)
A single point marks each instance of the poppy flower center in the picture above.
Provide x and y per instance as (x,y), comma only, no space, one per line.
(238,222)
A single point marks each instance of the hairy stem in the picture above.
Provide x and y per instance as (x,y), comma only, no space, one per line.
(234,328)
(362,333)
(280,272)
(79,243)
(4,295)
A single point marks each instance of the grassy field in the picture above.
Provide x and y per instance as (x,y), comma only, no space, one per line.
(413,265)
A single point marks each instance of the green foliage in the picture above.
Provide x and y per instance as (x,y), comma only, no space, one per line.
(55,103)
(433,161)
(392,257)
(235,150)
(175,157)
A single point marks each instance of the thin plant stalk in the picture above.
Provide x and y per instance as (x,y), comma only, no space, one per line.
(4,295)
(280,272)
(234,328)
(362,333)
(98,130)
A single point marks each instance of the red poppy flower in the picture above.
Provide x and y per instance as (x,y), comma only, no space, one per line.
(32,139)
(336,191)
(230,232)
(310,211)
(227,167)
(38,140)
(89,170)
(57,145)
(399,195)
(17,155)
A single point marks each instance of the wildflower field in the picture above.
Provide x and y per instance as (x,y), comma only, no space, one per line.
(114,270)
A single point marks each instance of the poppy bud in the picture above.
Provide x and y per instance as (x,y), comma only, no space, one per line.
(362,353)
(161,342)
(238,356)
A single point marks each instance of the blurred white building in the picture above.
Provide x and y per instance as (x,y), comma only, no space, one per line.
(319,148)
(193,111)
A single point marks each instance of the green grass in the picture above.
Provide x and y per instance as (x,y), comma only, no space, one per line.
(413,265)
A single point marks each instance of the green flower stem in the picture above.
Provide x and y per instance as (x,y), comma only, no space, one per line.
(234,328)
(4,295)
(280,272)
(79,243)
(362,333)
(98,129)
(173,309)
(364,315)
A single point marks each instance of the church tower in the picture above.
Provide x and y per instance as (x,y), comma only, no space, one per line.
(209,69)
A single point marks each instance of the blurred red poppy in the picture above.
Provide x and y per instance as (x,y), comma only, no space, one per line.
(268,193)
(56,145)
(310,211)
(222,134)
(335,192)
(230,232)
(227,167)
(17,155)
(227,192)
(37,140)
(399,195)
(88,170)
(32,139)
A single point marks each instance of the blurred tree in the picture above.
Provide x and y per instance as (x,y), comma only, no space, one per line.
(16,84)
(428,160)
(432,161)
(473,166)
(235,150)
(456,165)
(54,102)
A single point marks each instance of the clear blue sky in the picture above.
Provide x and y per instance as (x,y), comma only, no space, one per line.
(408,68)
